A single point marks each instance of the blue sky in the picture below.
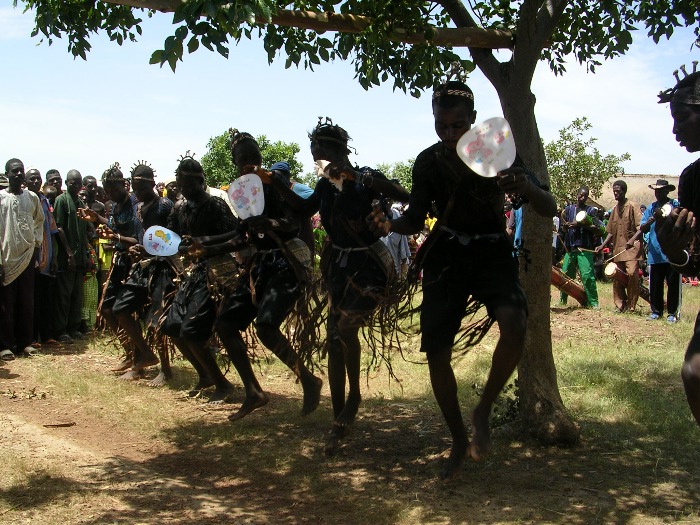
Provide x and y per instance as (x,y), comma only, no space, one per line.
(57,112)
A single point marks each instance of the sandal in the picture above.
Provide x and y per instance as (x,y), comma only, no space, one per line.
(7,355)
(29,351)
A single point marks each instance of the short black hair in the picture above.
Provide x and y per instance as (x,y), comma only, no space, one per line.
(10,162)
(621,183)
(52,172)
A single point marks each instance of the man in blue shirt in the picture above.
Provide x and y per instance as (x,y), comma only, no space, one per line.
(660,269)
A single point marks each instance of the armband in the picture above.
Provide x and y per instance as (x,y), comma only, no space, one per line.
(684,263)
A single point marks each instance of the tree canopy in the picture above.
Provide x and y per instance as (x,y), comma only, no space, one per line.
(399,170)
(410,41)
(219,168)
(574,161)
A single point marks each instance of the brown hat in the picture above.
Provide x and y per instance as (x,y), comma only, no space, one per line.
(662,184)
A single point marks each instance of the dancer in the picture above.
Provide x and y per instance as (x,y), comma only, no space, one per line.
(676,231)
(278,272)
(356,267)
(466,262)
(190,318)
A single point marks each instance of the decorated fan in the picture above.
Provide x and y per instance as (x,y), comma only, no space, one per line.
(488,147)
(246,195)
(158,240)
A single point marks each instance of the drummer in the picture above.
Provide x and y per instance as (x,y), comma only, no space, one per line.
(579,242)
(660,270)
(627,251)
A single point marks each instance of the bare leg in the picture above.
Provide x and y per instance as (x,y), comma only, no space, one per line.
(237,352)
(352,350)
(510,346)
(166,372)
(272,338)
(442,379)
(204,380)
(143,355)
(343,357)
(113,325)
(691,372)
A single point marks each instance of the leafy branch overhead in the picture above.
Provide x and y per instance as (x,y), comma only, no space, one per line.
(410,42)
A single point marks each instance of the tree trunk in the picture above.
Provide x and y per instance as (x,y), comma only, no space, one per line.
(541,407)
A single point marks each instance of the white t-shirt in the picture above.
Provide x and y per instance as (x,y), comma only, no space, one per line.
(21,231)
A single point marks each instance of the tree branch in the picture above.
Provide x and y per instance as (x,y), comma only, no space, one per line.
(472,36)
(537,21)
(483,57)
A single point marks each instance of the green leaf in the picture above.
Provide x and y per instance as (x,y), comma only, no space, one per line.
(193,45)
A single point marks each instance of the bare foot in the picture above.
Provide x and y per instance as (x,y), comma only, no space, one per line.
(349,412)
(336,436)
(312,394)
(145,362)
(131,375)
(250,404)
(124,365)
(481,435)
(201,385)
(221,395)
(157,381)
(453,465)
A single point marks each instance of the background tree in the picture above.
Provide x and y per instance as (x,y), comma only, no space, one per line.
(399,170)
(574,161)
(219,168)
(411,42)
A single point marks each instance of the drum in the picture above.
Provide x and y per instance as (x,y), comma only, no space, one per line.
(586,221)
(567,285)
(613,272)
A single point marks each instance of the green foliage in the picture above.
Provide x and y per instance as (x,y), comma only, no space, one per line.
(219,168)
(590,29)
(79,19)
(573,161)
(399,170)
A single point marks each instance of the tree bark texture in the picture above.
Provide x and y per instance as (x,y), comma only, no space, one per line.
(542,410)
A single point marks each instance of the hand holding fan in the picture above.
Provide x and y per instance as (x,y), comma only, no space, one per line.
(488,147)
(158,240)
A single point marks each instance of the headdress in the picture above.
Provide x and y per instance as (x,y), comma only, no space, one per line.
(689,87)
(142,170)
(113,174)
(188,165)
(454,85)
(326,131)
(237,137)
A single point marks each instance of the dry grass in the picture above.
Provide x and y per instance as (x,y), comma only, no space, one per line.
(139,455)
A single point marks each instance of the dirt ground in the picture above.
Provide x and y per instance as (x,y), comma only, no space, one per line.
(66,460)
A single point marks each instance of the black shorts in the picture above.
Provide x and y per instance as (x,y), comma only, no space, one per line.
(193,311)
(453,274)
(150,285)
(276,291)
(121,265)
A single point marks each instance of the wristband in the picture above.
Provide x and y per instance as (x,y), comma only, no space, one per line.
(681,265)
(119,239)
